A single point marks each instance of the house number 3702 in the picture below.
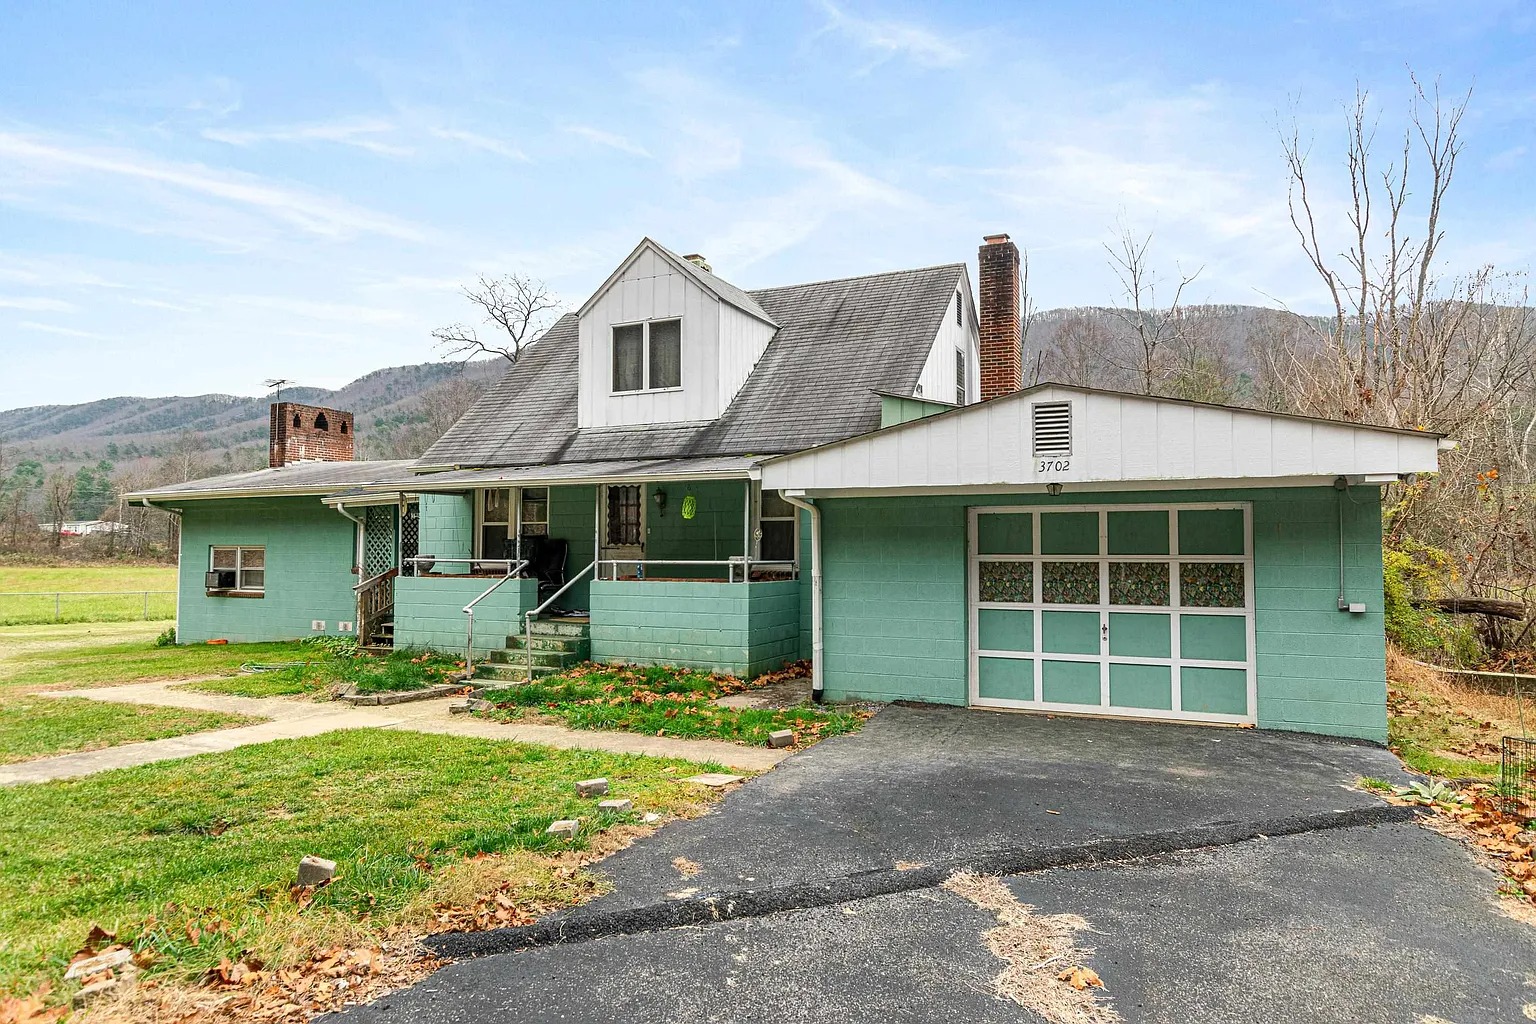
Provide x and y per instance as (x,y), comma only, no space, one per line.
(1055,465)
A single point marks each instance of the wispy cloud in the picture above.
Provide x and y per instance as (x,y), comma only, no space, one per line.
(363,133)
(34,304)
(66,332)
(609,139)
(175,307)
(316,214)
(889,38)
(474,140)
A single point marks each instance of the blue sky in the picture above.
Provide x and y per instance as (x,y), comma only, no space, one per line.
(195,199)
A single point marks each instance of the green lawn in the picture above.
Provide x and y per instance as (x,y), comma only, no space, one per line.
(103,654)
(208,845)
(43,726)
(336,665)
(660,700)
(87,593)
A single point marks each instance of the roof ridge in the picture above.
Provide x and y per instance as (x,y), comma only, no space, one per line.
(754,292)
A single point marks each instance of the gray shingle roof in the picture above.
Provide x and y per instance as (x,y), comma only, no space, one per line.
(838,343)
(295,478)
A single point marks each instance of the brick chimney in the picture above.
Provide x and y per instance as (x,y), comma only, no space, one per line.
(309,433)
(1002,355)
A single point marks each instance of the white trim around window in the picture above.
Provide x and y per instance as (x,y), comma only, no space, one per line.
(241,570)
(660,357)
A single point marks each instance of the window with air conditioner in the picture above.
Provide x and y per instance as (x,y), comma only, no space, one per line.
(236,569)
(1052,426)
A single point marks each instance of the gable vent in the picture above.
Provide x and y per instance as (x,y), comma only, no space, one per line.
(1052,429)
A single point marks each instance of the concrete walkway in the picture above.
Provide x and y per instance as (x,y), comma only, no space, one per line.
(291,718)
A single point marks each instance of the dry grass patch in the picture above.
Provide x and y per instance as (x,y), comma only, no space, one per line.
(1047,972)
(1442,725)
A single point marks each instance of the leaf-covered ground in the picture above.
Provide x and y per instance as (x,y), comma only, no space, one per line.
(663,701)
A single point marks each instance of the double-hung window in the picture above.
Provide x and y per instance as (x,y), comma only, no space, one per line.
(495,523)
(535,511)
(960,389)
(776,520)
(648,356)
(237,569)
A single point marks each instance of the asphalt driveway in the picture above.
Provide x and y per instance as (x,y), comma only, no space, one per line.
(1224,875)
(931,785)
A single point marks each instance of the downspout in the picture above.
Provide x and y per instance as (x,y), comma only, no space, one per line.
(357,597)
(818,662)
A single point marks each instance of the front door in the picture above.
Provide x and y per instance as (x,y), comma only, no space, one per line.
(623,529)
(1143,611)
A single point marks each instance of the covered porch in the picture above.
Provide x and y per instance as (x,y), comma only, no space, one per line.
(680,562)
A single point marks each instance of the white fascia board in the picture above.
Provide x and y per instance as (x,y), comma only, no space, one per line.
(1090,487)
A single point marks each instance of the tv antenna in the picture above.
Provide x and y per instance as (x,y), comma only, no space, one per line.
(277,383)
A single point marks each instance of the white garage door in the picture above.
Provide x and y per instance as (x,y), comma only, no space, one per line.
(1136,610)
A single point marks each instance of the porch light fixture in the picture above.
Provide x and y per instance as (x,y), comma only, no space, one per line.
(1053,489)
(660,497)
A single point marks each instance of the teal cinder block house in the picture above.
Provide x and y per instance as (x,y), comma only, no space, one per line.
(683,472)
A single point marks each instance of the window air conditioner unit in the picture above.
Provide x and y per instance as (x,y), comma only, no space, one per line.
(219,579)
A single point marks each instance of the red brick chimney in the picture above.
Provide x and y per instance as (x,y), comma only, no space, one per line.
(1002,355)
(309,433)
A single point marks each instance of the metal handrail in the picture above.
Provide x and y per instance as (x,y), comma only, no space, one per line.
(731,564)
(528,615)
(513,568)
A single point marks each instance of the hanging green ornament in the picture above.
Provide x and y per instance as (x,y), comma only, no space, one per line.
(690,507)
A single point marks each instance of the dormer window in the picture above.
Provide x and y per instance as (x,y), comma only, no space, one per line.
(648,356)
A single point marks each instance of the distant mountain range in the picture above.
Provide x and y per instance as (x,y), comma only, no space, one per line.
(1083,345)
(128,428)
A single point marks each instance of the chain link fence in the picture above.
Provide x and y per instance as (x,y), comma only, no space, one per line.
(86,606)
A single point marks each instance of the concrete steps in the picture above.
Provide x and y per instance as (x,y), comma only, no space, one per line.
(554,645)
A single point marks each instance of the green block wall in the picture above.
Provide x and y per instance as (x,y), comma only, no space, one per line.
(429,611)
(572,512)
(743,630)
(895,601)
(715,533)
(310,550)
(447,527)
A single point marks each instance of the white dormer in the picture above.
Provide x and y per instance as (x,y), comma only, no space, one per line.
(952,370)
(665,341)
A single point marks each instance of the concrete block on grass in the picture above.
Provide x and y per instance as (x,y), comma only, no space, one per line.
(563,829)
(111,959)
(316,870)
(592,787)
(781,738)
(616,806)
(714,780)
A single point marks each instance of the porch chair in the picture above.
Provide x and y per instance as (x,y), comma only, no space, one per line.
(546,561)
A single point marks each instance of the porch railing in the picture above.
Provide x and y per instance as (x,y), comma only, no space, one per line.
(608,568)
(476,566)
(375,602)
(528,616)
(513,568)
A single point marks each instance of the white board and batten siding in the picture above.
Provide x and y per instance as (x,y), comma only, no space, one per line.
(720,345)
(937,382)
(1115,439)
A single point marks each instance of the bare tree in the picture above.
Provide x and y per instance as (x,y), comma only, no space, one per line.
(518,308)
(1150,325)
(59,498)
